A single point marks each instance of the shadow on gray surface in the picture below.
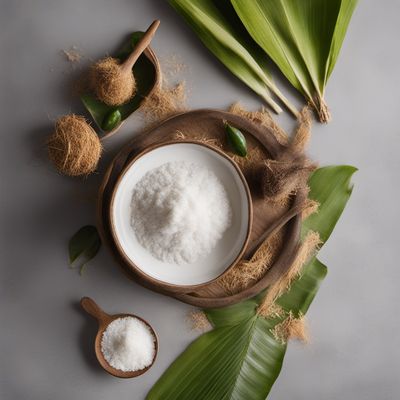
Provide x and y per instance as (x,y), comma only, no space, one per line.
(37,140)
(85,339)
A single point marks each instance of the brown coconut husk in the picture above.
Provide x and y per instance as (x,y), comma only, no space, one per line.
(279,178)
(173,65)
(73,55)
(198,321)
(164,102)
(254,157)
(261,117)
(169,98)
(292,328)
(74,147)
(302,134)
(246,273)
(306,250)
(311,208)
(110,84)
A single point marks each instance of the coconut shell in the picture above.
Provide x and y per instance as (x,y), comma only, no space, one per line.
(74,148)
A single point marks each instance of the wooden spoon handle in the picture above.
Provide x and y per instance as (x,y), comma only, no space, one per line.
(91,307)
(141,46)
(275,226)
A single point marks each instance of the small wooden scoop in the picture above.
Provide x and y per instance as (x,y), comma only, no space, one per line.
(142,44)
(104,320)
(114,83)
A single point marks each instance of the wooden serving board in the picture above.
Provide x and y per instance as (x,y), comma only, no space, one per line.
(207,126)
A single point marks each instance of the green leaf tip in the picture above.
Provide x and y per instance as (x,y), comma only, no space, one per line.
(218,27)
(83,246)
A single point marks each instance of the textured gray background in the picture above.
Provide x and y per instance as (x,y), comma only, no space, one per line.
(46,342)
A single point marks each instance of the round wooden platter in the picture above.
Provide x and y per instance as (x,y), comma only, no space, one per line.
(207,126)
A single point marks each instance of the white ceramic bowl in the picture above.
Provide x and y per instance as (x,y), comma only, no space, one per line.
(227,251)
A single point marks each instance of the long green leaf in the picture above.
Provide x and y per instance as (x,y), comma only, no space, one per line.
(217,25)
(302,37)
(240,359)
(346,11)
(331,188)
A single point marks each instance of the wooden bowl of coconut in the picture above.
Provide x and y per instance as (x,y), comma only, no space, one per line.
(180,215)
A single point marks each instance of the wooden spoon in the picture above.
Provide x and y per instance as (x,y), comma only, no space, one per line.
(104,320)
(142,44)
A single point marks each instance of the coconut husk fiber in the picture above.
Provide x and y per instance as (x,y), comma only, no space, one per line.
(285,175)
(198,321)
(247,272)
(291,328)
(282,177)
(163,102)
(110,84)
(74,148)
(306,250)
(263,118)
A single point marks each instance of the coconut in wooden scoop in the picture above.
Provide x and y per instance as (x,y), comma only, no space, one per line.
(112,81)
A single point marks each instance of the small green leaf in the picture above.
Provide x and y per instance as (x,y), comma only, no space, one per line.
(236,140)
(111,120)
(145,76)
(84,246)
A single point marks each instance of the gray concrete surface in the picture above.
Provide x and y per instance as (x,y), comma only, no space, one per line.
(46,342)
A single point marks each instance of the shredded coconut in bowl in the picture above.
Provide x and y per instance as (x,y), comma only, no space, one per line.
(180,211)
(127,344)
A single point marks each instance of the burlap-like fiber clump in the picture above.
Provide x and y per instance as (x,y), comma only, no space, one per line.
(74,147)
(198,321)
(291,328)
(110,84)
(164,102)
(247,272)
(284,176)
(279,178)
(263,118)
(306,250)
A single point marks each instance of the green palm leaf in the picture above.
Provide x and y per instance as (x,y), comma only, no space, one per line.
(302,37)
(217,25)
(240,358)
